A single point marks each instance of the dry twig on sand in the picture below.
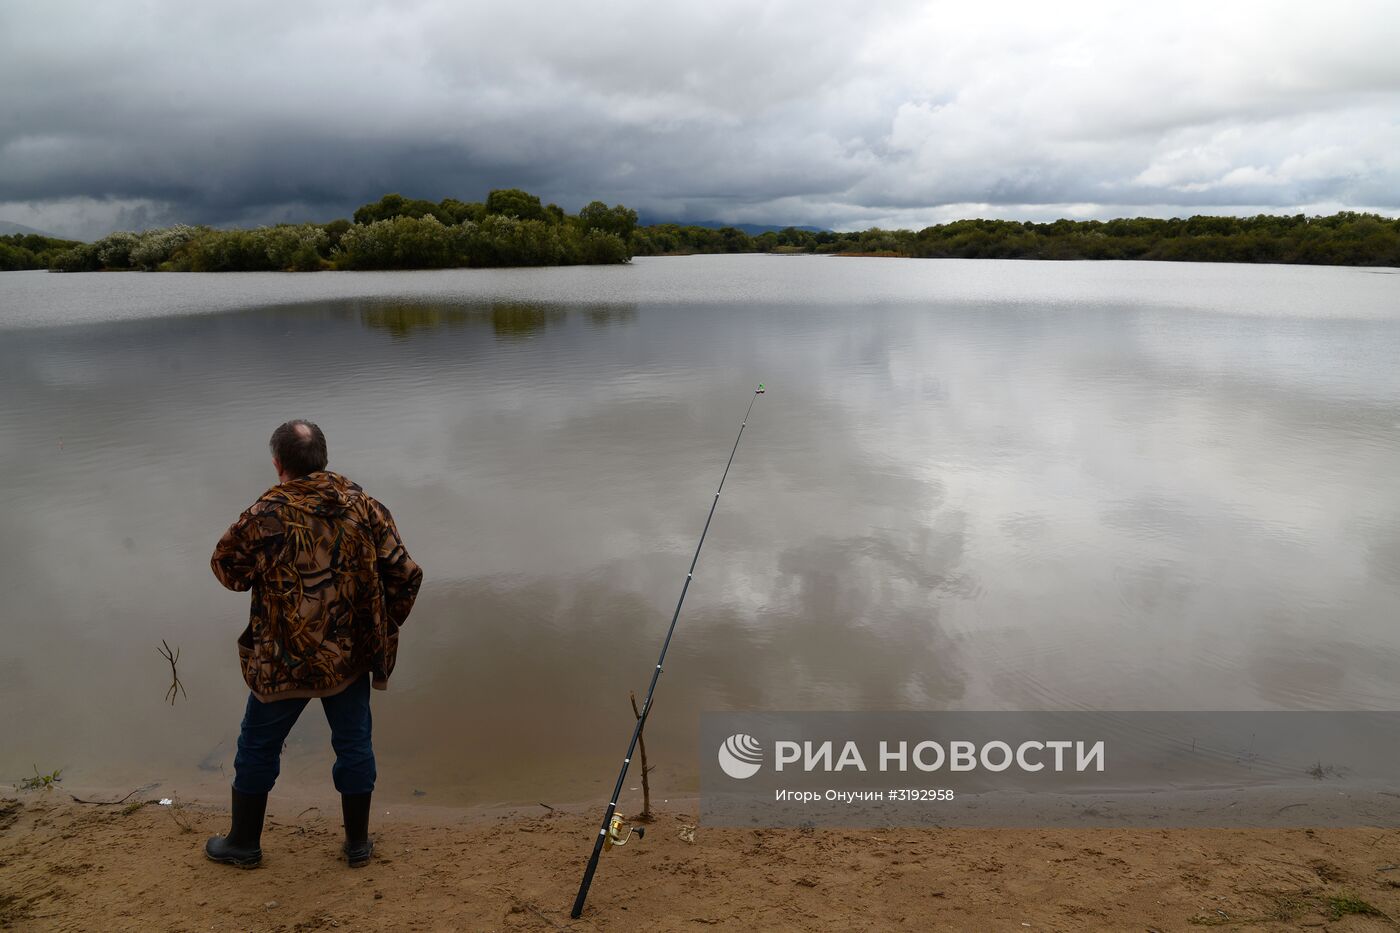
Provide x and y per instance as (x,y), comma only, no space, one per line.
(113,803)
(102,803)
(645,816)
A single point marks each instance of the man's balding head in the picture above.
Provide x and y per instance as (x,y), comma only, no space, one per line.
(298,448)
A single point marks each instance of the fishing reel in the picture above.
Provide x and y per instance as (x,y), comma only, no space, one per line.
(615,835)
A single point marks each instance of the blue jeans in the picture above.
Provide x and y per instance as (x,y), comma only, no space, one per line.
(265,729)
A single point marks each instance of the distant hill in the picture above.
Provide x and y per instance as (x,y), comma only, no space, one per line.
(750,229)
(8,227)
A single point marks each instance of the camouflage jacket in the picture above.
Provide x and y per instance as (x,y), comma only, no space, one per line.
(331,585)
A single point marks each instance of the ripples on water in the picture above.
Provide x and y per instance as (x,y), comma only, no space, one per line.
(970,485)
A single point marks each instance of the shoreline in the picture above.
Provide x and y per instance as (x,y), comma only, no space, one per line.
(65,865)
(1334,803)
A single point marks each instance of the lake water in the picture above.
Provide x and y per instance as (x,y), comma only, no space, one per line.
(970,485)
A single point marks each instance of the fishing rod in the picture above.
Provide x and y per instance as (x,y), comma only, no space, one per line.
(611,832)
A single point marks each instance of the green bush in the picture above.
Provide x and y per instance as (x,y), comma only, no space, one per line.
(82,258)
(14,258)
(226,251)
(512,202)
(399,243)
(616,220)
(157,247)
(603,248)
(114,249)
(502,240)
(295,248)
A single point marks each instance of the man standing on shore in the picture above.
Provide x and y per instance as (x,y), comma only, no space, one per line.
(331,585)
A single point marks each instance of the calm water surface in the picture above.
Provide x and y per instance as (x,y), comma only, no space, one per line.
(971,485)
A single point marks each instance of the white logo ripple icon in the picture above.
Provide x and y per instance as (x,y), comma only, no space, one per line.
(741,756)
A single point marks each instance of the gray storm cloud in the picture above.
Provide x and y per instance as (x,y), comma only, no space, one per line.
(134,114)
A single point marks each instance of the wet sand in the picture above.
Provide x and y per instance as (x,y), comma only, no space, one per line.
(67,866)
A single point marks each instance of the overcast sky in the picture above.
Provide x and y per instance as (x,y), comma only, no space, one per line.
(126,114)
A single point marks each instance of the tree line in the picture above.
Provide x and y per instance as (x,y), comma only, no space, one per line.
(31,251)
(1344,239)
(512,227)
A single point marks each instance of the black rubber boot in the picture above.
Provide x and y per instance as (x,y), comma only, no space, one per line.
(242,845)
(354,808)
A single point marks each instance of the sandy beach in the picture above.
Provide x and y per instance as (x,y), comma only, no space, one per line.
(70,866)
